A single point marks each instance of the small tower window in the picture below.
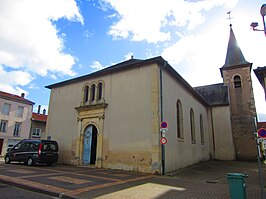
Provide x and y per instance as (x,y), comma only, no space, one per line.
(86,94)
(237,81)
(100,90)
(92,92)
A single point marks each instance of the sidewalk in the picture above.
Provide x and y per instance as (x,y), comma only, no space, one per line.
(203,180)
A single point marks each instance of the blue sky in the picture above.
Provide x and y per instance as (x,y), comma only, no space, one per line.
(47,41)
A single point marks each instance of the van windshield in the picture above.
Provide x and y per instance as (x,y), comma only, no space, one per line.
(49,147)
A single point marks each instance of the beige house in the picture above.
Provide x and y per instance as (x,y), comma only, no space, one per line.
(38,125)
(111,118)
(261,75)
(15,119)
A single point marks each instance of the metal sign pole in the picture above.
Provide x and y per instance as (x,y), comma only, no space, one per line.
(258,158)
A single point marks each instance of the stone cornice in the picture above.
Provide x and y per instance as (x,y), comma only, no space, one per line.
(91,107)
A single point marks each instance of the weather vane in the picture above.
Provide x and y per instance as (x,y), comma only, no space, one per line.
(229,17)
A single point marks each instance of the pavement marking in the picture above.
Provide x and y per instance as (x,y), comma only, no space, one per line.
(21,171)
(37,185)
(90,188)
(69,180)
(39,175)
(148,190)
(114,174)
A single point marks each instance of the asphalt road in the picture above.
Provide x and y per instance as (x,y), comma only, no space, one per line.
(11,192)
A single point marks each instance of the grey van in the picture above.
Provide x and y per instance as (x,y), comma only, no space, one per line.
(33,151)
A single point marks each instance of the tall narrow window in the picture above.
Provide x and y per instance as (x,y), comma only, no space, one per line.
(201,130)
(92,92)
(86,94)
(192,126)
(237,81)
(36,133)
(6,109)
(17,129)
(100,91)
(19,112)
(179,119)
(3,125)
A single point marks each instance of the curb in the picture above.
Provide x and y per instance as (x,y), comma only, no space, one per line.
(29,188)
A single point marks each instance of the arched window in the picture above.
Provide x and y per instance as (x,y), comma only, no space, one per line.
(201,130)
(86,93)
(179,119)
(192,127)
(92,92)
(237,81)
(100,91)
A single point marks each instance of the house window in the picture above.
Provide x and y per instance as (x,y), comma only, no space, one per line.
(3,125)
(179,119)
(17,129)
(192,127)
(100,90)
(36,133)
(86,94)
(19,112)
(237,81)
(92,93)
(201,130)
(6,109)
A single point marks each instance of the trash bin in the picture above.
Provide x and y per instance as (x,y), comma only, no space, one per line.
(237,185)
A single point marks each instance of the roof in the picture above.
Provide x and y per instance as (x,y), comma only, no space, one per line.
(234,56)
(116,67)
(260,72)
(130,64)
(216,94)
(15,98)
(39,117)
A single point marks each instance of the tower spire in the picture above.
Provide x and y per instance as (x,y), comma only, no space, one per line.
(234,56)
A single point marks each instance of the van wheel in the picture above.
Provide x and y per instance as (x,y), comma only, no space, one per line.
(7,160)
(30,162)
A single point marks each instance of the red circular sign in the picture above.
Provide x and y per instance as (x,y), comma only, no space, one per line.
(164,124)
(262,133)
(163,140)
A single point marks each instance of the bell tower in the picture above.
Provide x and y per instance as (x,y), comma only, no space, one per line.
(236,74)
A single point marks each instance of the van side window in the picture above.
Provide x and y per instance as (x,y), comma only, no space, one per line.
(24,146)
(33,147)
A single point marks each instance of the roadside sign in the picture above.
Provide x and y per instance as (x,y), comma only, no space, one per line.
(164,124)
(262,133)
(163,140)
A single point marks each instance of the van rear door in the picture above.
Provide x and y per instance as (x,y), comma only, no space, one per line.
(49,152)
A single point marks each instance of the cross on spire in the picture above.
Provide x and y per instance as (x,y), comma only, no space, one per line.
(229,17)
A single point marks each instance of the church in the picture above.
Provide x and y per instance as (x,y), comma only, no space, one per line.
(112,118)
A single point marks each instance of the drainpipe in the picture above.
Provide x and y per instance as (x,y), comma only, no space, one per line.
(213,138)
(162,118)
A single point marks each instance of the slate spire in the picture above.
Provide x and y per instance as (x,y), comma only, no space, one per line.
(234,56)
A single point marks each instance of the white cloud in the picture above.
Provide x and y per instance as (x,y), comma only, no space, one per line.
(30,40)
(96,65)
(13,80)
(146,20)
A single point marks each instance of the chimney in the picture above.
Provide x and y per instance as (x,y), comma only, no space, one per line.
(22,95)
(39,109)
(132,57)
(44,112)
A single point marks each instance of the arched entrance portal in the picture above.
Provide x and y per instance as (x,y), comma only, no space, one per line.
(90,145)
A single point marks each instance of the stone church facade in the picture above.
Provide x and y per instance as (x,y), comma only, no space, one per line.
(111,118)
